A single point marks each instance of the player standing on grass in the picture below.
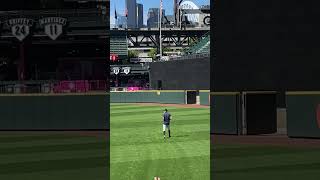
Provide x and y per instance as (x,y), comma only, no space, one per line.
(166,122)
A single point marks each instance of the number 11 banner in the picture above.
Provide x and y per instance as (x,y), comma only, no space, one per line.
(53,26)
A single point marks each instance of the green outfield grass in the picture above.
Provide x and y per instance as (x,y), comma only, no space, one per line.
(52,156)
(246,162)
(139,152)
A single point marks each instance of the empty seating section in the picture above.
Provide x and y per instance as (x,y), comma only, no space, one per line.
(201,47)
(119,46)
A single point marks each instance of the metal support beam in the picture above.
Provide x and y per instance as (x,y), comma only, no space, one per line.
(170,38)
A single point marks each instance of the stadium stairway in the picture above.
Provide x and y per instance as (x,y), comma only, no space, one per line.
(202,47)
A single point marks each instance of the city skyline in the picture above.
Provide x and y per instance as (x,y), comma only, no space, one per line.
(119,5)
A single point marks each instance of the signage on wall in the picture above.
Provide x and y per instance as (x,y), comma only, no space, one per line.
(117,70)
(126,70)
(141,59)
(20,27)
(114,57)
(53,26)
(206,20)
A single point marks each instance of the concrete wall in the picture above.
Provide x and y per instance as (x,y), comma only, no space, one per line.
(191,74)
(169,97)
(54,112)
(302,110)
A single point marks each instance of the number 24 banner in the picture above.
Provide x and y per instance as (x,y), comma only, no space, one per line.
(20,27)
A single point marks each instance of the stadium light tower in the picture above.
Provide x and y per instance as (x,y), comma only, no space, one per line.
(160,23)
(177,11)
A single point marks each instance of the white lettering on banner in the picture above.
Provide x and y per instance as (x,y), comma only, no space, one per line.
(20,21)
(20,27)
(206,20)
(53,26)
(126,70)
(141,59)
(116,70)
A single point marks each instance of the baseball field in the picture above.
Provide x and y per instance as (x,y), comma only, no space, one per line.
(139,151)
(53,155)
(264,158)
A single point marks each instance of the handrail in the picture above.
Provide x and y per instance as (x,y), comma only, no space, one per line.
(191,56)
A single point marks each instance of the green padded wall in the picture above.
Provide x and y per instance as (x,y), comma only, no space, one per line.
(165,97)
(224,114)
(54,112)
(204,98)
(302,115)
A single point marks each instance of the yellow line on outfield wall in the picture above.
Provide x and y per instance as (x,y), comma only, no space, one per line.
(303,93)
(224,93)
(244,92)
(204,90)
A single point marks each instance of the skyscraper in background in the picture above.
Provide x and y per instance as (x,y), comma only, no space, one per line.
(131,7)
(153,17)
(122,21)
(139,15)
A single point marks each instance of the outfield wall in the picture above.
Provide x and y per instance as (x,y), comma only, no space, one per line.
(204,97)
(54,112)
(224,113)
(165,97)
(303,114)
(155,96)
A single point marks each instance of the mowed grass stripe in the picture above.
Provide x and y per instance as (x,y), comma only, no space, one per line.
(138,108)
(51,155)
(128,117)
(142,132)
(157,110)
(312,174)
(23,138)
(274,168)
(50,148)
(30,143)
(152,123)
(247,162)
(157,117)
(175,169)
(98,173)
(258,151)
(178,137)
(159,151)
(148,112)
(150,108)
(53,165)
(130,108)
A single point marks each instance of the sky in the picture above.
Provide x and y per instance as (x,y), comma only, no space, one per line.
(167,5)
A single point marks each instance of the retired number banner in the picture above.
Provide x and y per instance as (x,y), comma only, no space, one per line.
(20,27)
(53,26)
